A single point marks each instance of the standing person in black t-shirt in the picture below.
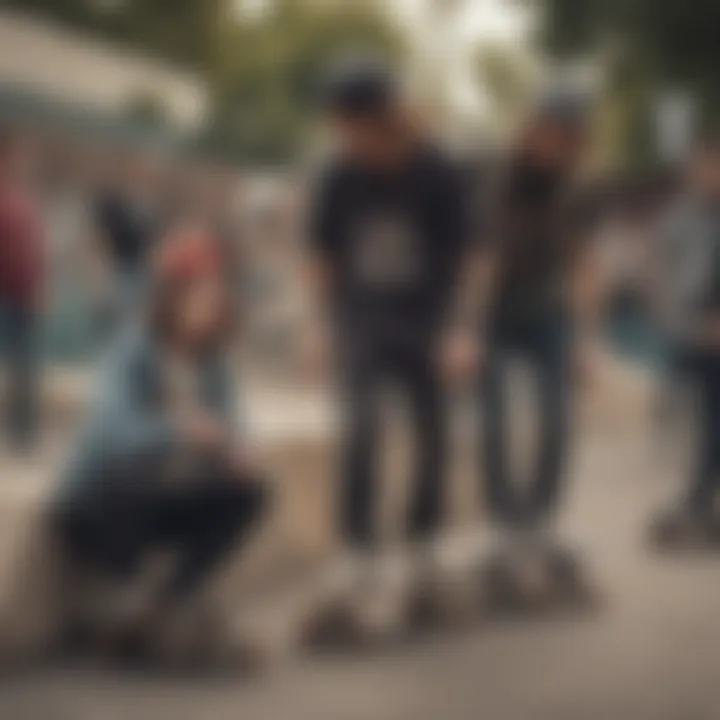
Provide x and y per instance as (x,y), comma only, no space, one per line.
(388,226)
(541,299)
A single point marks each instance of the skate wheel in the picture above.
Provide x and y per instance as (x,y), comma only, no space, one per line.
(326,626)
(499,587)
(668,535)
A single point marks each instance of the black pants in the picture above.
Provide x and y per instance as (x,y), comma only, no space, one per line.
(136,512)
(397,356)
(18,331)
(702,372)
(545,347)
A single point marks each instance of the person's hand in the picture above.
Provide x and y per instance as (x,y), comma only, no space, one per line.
(204,431)
(588,364)
(245,462)
(315,352)
(459,356)
(710,335)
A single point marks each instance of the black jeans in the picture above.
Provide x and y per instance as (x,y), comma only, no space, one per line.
(545,346)
(136,512)
(18,335)
(400,356)
(702,372)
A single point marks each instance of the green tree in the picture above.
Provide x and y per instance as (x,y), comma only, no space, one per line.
(147,110)
(652,45)
(262,71)
(268,71)
(508,80)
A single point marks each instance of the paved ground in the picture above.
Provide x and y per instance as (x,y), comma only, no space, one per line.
(652,654)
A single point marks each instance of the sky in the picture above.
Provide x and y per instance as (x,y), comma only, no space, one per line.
(453,40)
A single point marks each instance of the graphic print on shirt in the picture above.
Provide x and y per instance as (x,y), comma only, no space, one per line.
(386,254)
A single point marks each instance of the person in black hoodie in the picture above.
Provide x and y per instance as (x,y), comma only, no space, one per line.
(388,225)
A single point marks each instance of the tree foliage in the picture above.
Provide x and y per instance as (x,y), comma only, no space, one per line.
(268,71)
(653,45)
(262,71)
(508,80)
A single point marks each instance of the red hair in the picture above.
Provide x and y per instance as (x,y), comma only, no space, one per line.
(183,258)
(187,255)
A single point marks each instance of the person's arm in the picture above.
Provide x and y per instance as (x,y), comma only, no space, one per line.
(681,311)
(129,417)
(586,290)
(319,280)
(666,266)
(323,237)
(93,255)
(585,282)
(223,395)
(472,289)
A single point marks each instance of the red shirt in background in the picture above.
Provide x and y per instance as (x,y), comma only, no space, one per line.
(21,249)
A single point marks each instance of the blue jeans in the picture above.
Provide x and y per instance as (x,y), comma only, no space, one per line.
(545,346)
(18,345)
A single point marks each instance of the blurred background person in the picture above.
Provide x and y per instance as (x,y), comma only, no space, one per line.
(388,227)
(76,277)
(537,306)
(129,217)
(625,243)
(279,315)
(22,264)
(159,465)
(687,296)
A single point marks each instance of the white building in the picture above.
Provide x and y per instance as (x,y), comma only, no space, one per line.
(48,59)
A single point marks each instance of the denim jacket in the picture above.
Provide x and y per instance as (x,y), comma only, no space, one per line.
(128,418)
(688,245)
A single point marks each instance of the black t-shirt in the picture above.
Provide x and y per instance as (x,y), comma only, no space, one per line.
(393,237)
(127,229)
(539,221)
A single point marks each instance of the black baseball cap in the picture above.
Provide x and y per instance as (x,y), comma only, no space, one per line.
(359,86)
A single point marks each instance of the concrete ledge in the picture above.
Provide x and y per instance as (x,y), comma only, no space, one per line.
(621,393)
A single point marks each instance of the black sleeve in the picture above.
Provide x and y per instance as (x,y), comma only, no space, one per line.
(583,219)
(477,212)
(457,223)
(590,206)
(324,216)
(460,218)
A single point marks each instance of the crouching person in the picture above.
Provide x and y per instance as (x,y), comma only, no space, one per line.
(159,493)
